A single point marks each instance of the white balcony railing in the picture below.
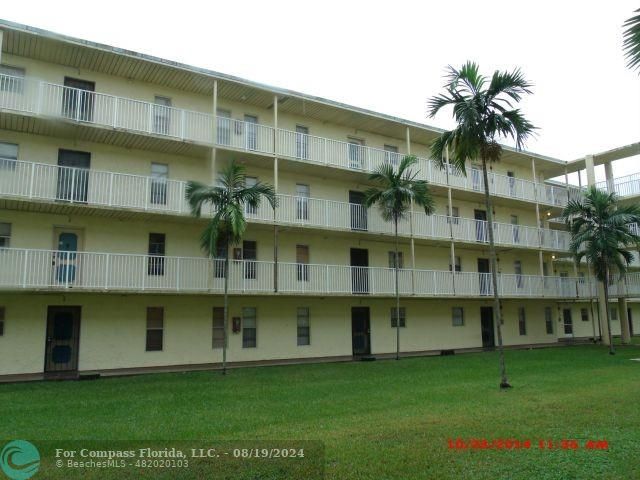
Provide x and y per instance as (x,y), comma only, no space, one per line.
(38,97)
(146,193)
(52,270)
(627,186)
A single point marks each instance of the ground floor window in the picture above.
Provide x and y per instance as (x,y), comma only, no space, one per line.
(522,321)
(394,317)
(155,328)
(218,327)
(614,314)
(457,316)
(249,327)
(584,314)
(304,330)
(548,320)
(5,235)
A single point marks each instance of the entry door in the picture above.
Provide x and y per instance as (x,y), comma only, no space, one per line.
(63,336)
(480,217)
(484,276)
(78,99)
(630,321)
(568,322)
(250,182)
(360,270)
(224,127)
(302,142)
(357,210)
(360,331)
(486,325)
(303,193)
(73,175)
(250,255)
(512,183)
(251,124)
(66,258)
(476,178)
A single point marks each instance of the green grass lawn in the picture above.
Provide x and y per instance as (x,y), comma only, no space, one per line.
(378,420)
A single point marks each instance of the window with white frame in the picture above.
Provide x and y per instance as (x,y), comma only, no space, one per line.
(218,340)
(457,316)
(392,260)
(584,314)
(8,155)
(5,235)
(522,321)
(614,313)
(304,328)
(455,215)
(155,329)
(394,317)
(249,327)
(458,263)
(11,79)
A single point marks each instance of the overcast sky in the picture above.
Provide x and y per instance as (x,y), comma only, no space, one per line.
(390,56)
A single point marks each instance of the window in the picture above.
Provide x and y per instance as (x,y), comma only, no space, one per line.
(391,155)
(218,327)
(1,321)
(224,126)
(581,277)
(248,327)
(159,175)
(5,235)
(248,183)
(394,318)
(584,314)
(302,261)
(457,316)
(155,328)
(356,153)
(11,79)
(614,313)
(392,260)
(458,263)
(515,228)
(302,142)
(250,255)
(162,115)
(303,326)
(522,321)
(8,155)
(548,320)
(455,215)
(517,268)
(302,201)
(155,265)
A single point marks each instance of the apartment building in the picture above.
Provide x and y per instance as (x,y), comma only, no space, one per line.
(100,265)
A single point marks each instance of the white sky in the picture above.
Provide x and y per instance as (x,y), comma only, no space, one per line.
(390,56)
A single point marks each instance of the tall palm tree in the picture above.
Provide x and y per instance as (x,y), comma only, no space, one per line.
(631,42)
(484,112)
(228,223)
(600,234)
(398,190)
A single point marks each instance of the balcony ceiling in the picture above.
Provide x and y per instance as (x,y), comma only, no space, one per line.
(23,40)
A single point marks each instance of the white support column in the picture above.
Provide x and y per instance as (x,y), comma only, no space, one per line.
(1,40)
(608,173)
(275,142)
(623,315)
(591,171)
(413,242)
(450,211)
(408,135)
(212,171)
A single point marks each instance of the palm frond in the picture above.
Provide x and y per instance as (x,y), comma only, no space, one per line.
(631,41)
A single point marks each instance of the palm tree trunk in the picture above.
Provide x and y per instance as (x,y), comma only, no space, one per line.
(497,315)
(608,314)
(396,262)
(226,308)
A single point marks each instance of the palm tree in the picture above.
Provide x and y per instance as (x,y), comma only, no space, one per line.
(631,42)
(398,191)
(228,223)
(484,112)
(600,234)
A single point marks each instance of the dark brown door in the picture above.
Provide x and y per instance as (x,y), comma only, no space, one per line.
(630,321)
(73,175)
(78,99)
(63,337)
(360,331)
(486,325)
(360,270)
(357,210)
(250,255)
(484,276)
